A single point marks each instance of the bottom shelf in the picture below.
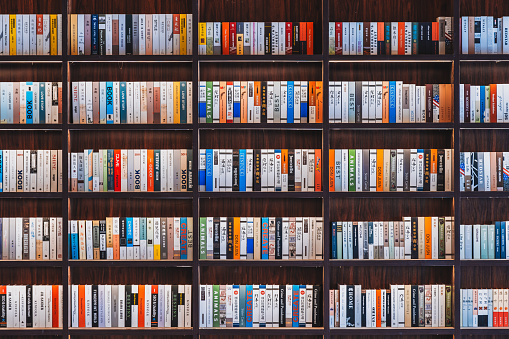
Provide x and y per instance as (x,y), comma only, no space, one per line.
(393,331)
(263,331)
(131,331)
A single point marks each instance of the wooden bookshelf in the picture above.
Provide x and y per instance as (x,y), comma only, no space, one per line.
(466,207)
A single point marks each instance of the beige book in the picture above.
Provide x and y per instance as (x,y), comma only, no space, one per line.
(408,306)
(387,170)
(420,237)
(257,223)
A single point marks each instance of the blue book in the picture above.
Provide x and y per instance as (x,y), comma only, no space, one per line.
(109,102)
(497,240)
(392,101)
(249,305)
(129,231)
(29,103)
(1,171)
(235,288)
(209,180)
(242,306)
(265,238)
(110,172)
(290,101)
(74,246)
(415,37)
(502,240)
(236,101)
(123,103)
(250,243)
(334,241)
(90,175)
(42,103)
(102,102)
(304,100)
(491,241)
(482,104)
(183,238)
(295,306)
(202,106)
(242,170)
(201,170)
(94,34)
(484,241)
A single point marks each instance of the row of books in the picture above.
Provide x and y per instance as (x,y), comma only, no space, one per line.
(389,102)
(484,241)
(31,306)
(484,104)
(139,102)
(270,170)
(261,238)
(484,307)
(126,34)
(386,170)
(30,170)
(30,102)
(260,306)
(391,38)
(31,34)
(412,238)
(261,102)
(121,306)
(484,35)
(131,170)
(32,238)
(399,306)
(484,171)
(132,238)
(255,38)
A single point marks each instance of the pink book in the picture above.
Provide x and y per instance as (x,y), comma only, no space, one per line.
(88,34)
(148,34)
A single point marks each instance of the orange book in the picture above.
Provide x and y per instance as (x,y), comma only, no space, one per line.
(243,102)
(176,102)
(141,305)
(433,167)
(55,306)
(309,38)
(380,31)
(81,305)
(378,308)
(331,170)
(401,38)
(427,238)
(385,102)
(493,100)
(312,101)
(284,167)
(150,170)
(448,103)
(318,170)
(434,35)
(319,102)
(222,102)
(225,37)
(379,170)
(153,321)
(258,97)
(236,238)
(441,98)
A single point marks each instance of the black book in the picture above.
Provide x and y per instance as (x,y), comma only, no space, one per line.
(29,311)
(422,38)
(355,240)
(95,306)
(257,182)
(430,48)
(393,171)
(96,236)
(363,308)
(102,34)
(157,170)
(441,170)
(317,306)
(128,292)
(174,306)
(26,235)
(282,305)
(427,169)
(268,38)
(388,308)
(189,170)
(235,171)
(291,170)
(164,240)
(217,237)
(153,310)
(415,306)
(264,103)
(229,247)
(279,238)
(358,101)
(102,236)
(350,306)
(415,241)
(474,172)
(123,234)
(296,38)
(129,34)
(406,170)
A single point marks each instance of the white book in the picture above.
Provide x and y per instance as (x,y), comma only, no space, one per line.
(141,32)
(464,35)
(346,38)
(155,34)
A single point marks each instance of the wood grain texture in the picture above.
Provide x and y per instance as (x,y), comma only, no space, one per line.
(484,277)
(30,7)
(81,140)
(388,336)
(260,71)
(484,73)
(389,10)
(261,275)
(33,140)
(496,8)
(259,337)
(128,71)
(361,139)
(276,139)
(419,73)
(496,140)
(377,209)
(266,10)
(30,208)
(131,275)
(102,208)
(131,336)
(482,211)
(129,6)
(253,207)
(30,72)
(31,276)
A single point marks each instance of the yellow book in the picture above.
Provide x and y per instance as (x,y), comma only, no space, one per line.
(176,102)
(54,34)
(202,35)
(12,34)
(240,44)
(74,34)
(379,170)
(183,38)
(236,238)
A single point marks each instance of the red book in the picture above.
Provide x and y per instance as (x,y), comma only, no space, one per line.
(339,38)
(493,103)
(233,38)
(288,34)
(81,305)
(141,305)
(55,305)
(117,172)
(401,38)
(302,37)
(434,36)
(225,36)
(318,170)
(150,170)
(309,38)
(176,25)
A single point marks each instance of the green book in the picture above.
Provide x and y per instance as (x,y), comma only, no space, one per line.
(351,170)
(183,102)
(441,238)
(208,102)
(491,241)
(484,241)
(448,306)
(215,305)
(203,238)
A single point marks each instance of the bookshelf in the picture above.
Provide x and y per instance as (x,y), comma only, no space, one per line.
(466,207)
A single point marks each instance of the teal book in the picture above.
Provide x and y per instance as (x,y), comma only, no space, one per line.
(484,241)
(123,103)
(109,102)
(491,241)
(183,102)
(351,170)
(242,306)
